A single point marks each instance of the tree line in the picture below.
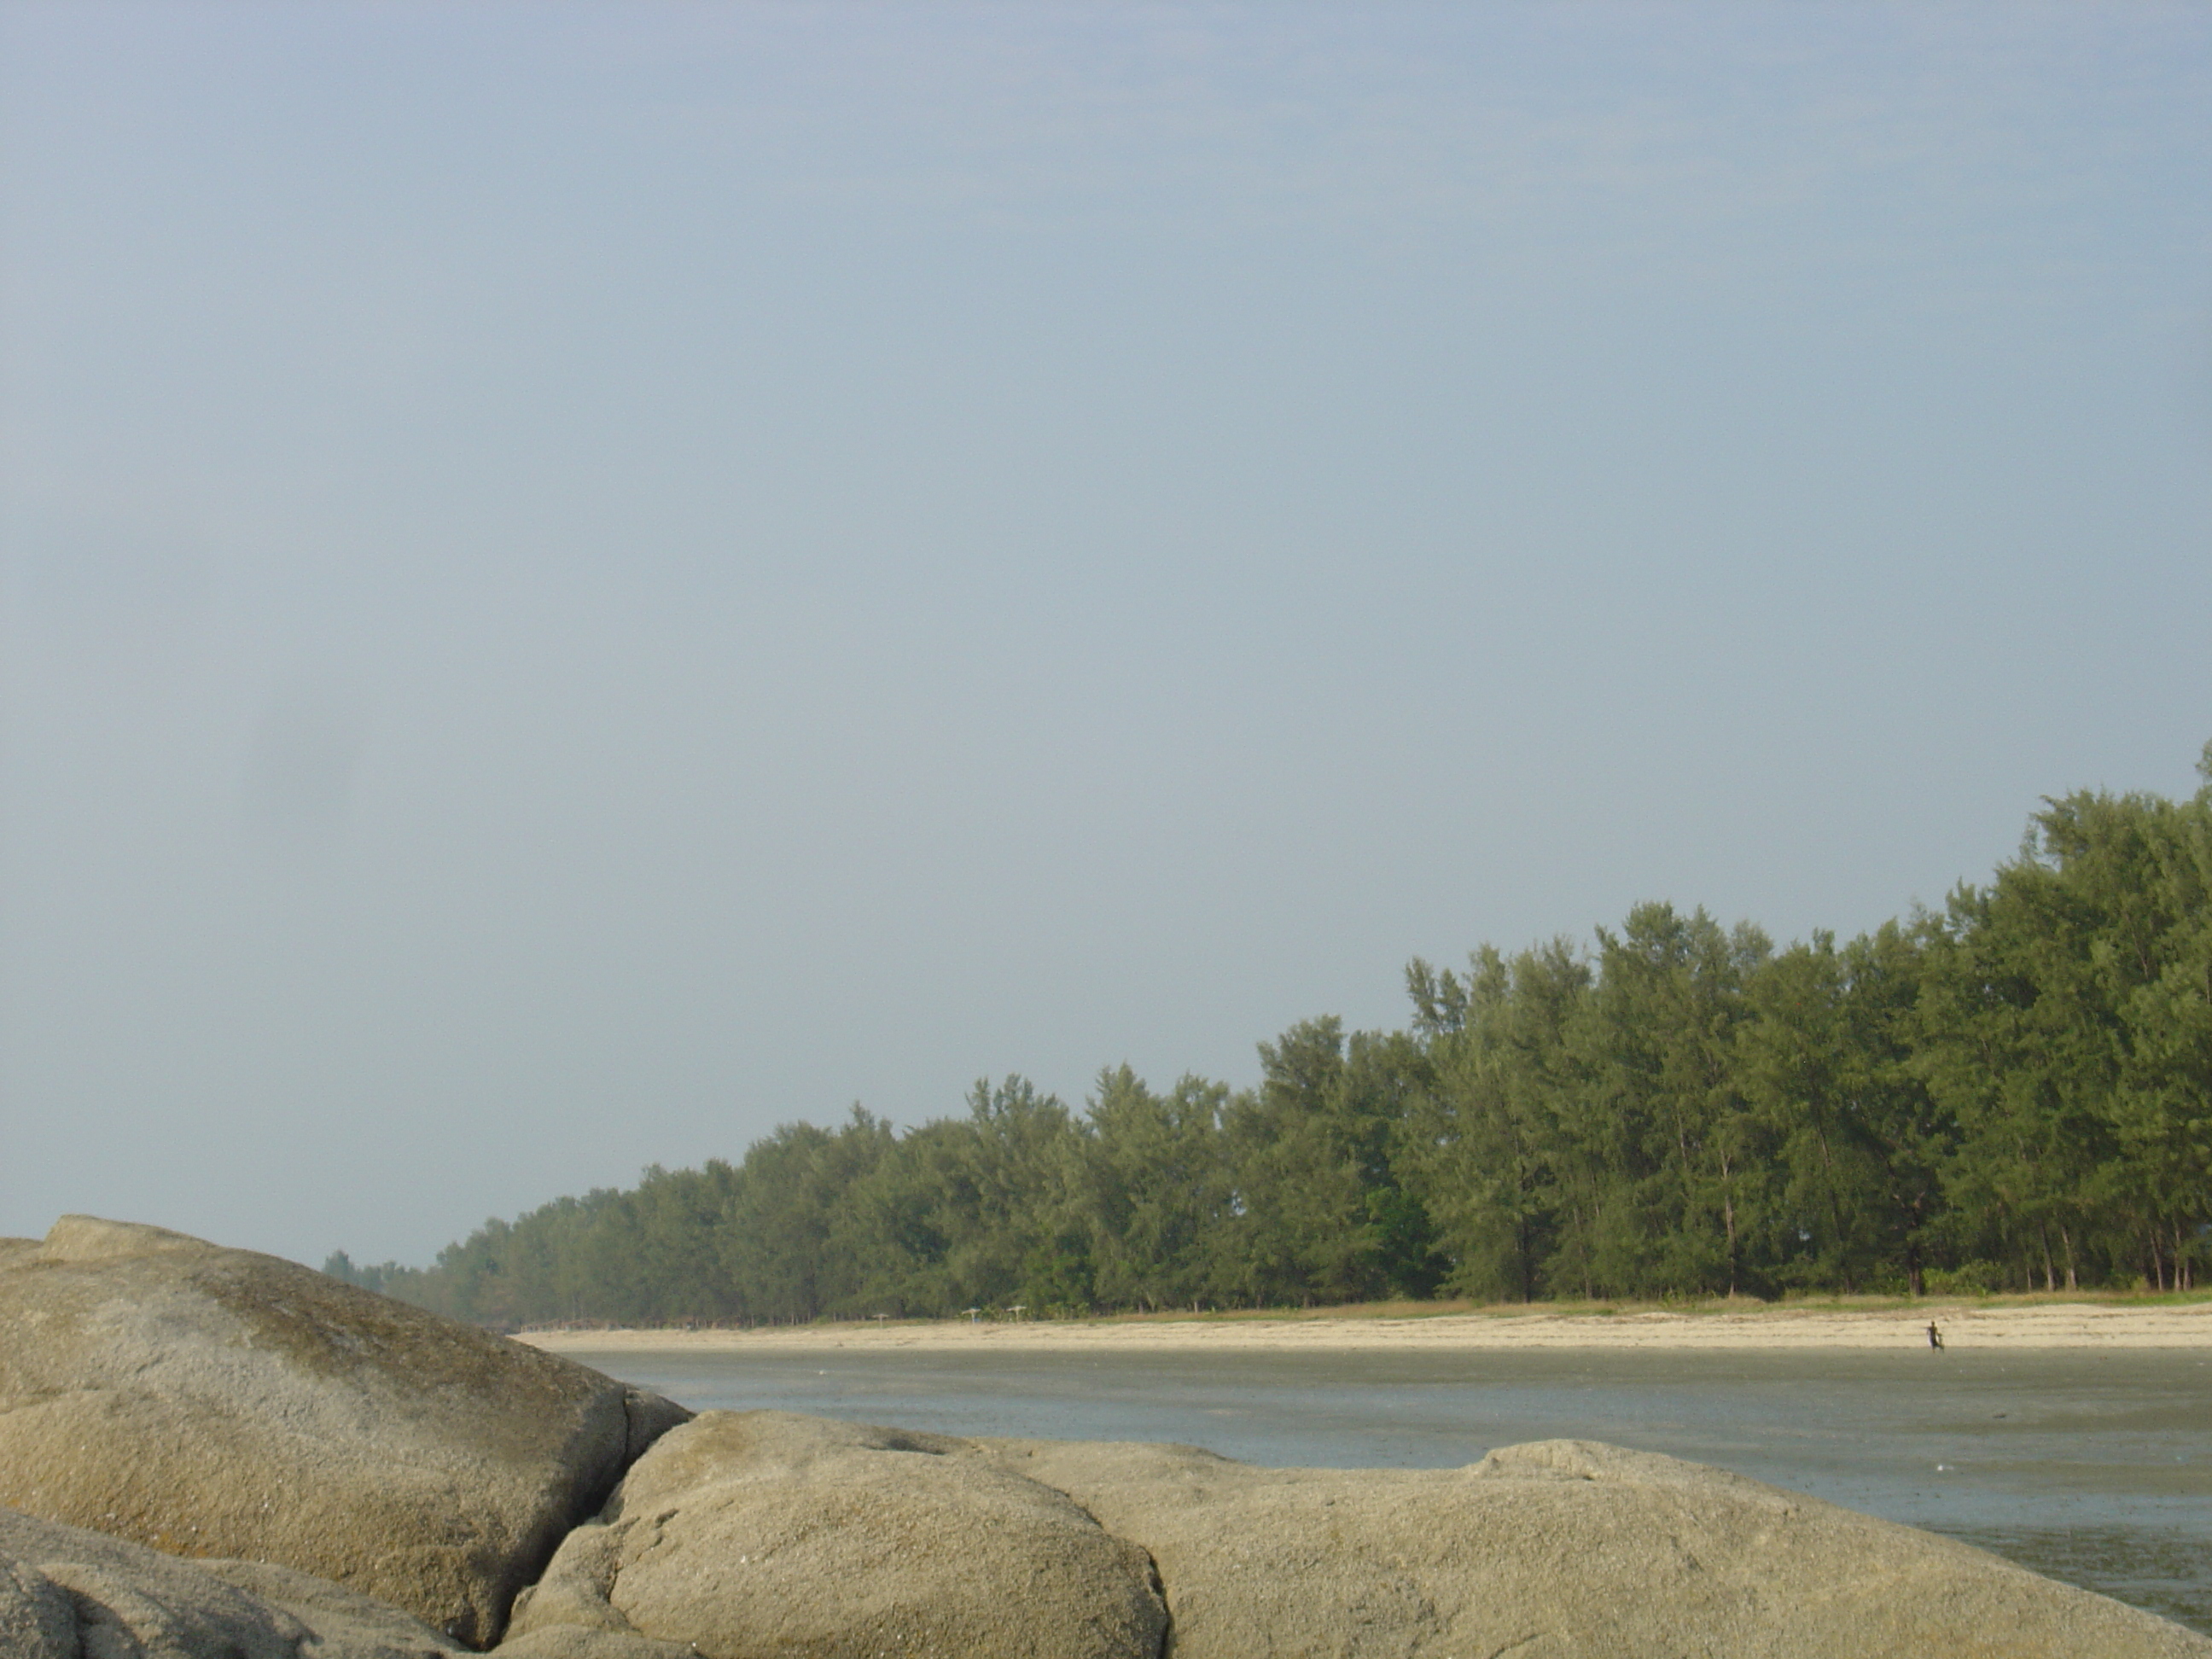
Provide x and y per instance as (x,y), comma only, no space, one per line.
(2012,1093)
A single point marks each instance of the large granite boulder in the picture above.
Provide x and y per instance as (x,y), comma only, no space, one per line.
(758,1533)
(579,1642)
(217,1402)
(1562,1547)
(751,1533)
(69,1593)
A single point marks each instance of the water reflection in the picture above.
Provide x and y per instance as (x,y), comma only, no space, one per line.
(2092,1468)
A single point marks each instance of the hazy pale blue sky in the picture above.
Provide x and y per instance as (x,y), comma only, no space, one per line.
(583,580)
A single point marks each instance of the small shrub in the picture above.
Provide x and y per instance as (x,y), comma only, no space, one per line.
(1968,1278)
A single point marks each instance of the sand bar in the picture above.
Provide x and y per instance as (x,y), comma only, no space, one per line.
(1964,1325)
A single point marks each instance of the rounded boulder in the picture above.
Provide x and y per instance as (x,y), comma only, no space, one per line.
(747,1535)
(208,1401)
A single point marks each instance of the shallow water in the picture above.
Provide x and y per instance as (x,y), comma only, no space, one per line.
(2095,1467)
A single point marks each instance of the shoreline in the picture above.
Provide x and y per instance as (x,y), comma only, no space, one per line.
(1964,1325)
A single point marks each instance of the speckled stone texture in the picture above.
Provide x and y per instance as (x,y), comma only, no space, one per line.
(70,1593)
(755,1534)
(217,1402)
(1562,1547)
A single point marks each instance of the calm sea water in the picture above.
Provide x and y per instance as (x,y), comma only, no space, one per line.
(2092,1468)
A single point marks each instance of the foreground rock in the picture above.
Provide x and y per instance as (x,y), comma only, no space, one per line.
(576,1642)
(220,1404)
(761,1533)
(217,1402)
(69,1593)
(1562,1547)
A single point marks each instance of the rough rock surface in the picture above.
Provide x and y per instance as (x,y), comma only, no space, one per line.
(575,1642)
(1562,1547)
(69,1593)
(751,1534)
(217,1402)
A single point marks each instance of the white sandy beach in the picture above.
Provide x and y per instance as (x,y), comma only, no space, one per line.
(1964,1326)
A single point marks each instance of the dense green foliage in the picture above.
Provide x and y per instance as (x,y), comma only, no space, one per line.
(2016,1092)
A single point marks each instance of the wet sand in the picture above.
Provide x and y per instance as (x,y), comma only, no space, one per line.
(2055,1326)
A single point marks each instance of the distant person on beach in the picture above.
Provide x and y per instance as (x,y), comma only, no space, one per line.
(1934,1336)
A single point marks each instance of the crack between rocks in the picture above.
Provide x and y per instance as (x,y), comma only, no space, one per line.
(1159,1588)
